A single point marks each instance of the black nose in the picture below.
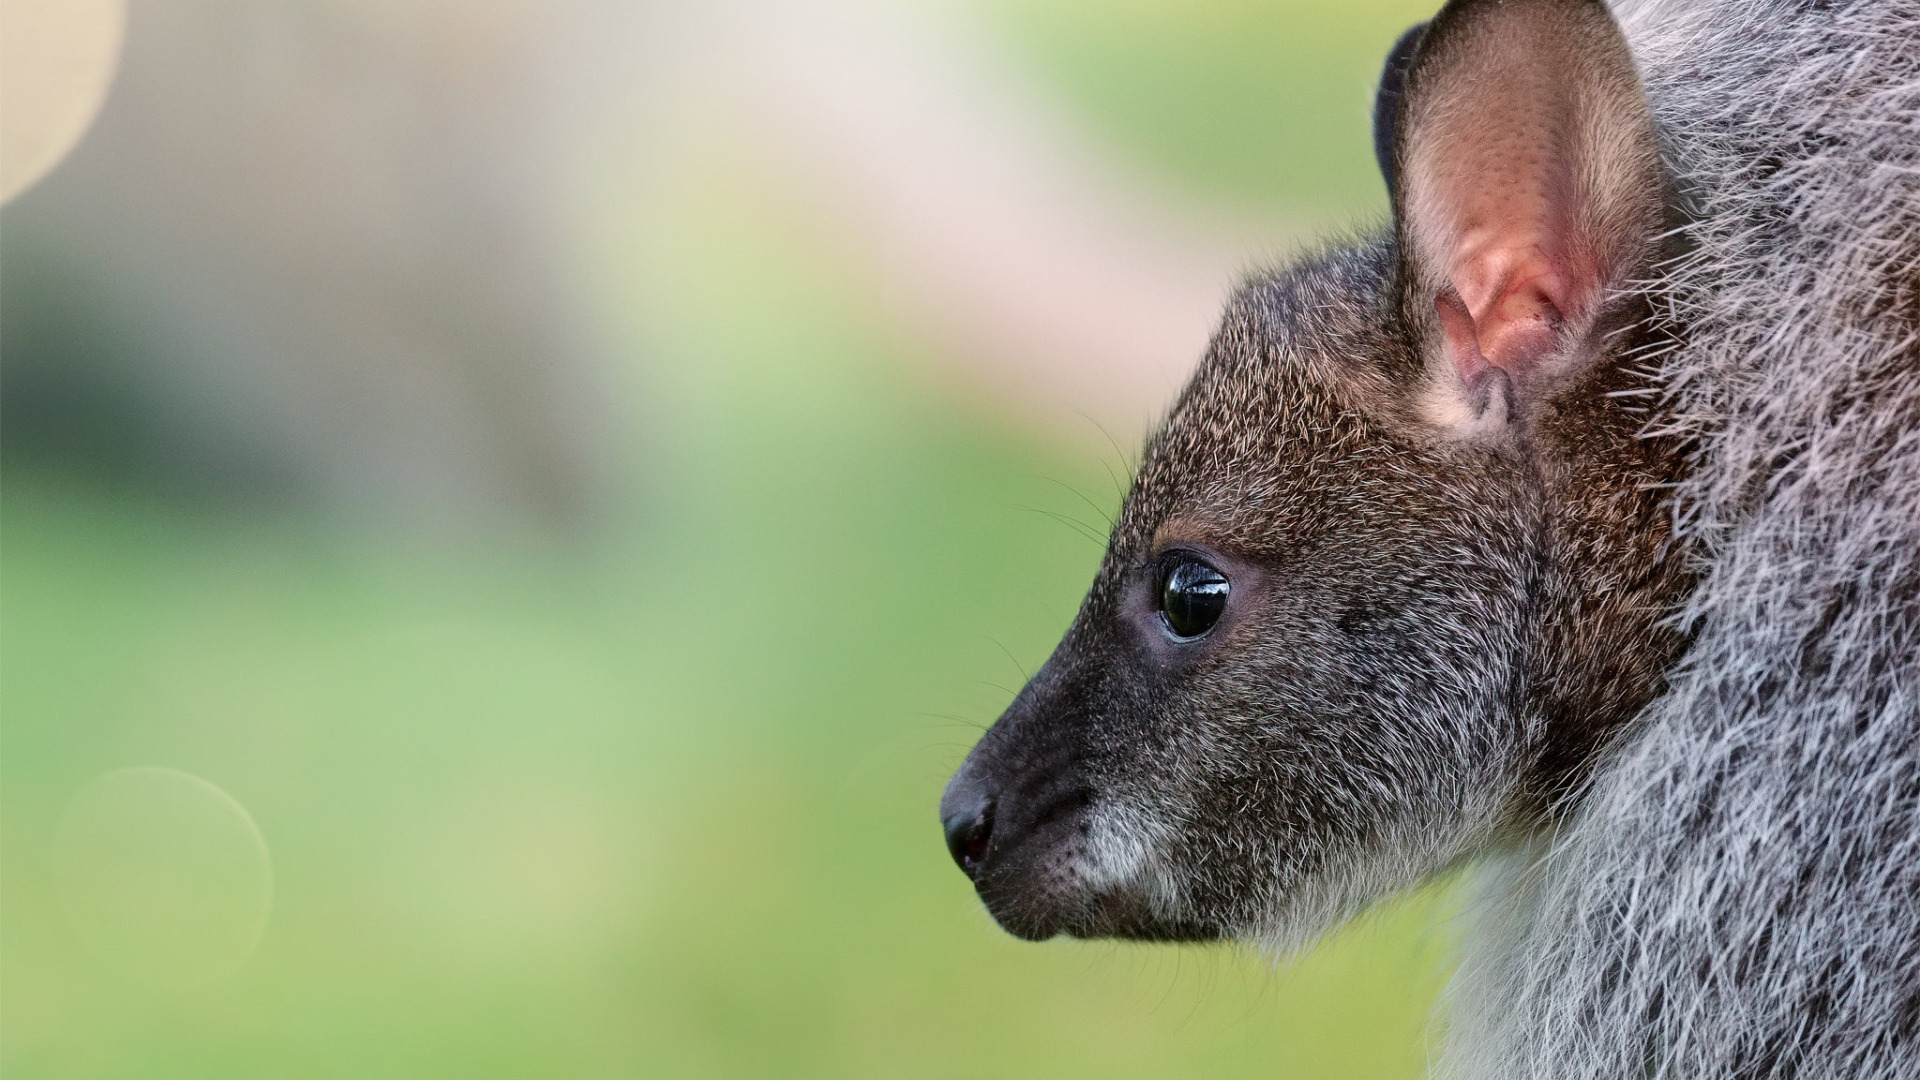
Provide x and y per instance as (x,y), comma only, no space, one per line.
(966,812)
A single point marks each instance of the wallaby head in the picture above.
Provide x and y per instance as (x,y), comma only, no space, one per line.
(1396,567)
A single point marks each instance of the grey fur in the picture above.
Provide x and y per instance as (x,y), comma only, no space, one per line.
(1650,650)
(1739,895)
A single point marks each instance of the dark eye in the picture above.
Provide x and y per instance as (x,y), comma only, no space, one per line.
(1193,597)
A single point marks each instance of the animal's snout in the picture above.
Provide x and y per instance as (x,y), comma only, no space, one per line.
(966,812)
(1018,820)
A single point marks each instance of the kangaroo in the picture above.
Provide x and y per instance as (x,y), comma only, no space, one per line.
(1568,527)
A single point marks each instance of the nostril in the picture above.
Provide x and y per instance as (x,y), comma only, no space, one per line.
(967,836)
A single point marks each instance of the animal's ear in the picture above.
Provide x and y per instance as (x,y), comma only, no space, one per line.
(1528,190)
(1386,99)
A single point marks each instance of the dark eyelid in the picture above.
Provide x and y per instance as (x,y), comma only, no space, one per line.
(1174,554)
(1164,563)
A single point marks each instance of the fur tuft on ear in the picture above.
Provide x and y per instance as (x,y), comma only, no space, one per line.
(1527,191)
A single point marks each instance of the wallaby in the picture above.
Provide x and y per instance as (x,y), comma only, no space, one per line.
(1570,525)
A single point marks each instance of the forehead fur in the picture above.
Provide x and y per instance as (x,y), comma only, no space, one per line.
(1296,383)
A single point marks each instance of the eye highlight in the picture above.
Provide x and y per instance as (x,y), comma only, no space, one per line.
(1192,596)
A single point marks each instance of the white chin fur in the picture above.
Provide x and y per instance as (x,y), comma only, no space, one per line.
(1120,858)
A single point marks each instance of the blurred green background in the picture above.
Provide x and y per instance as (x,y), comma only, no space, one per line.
(645,788)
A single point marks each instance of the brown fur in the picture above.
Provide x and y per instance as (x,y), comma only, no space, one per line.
(1451,575)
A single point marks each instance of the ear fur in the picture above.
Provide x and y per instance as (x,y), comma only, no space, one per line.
(1527,192)
(1386,99)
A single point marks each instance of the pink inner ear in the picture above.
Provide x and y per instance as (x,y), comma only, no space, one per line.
(1505,309)
(1529,183)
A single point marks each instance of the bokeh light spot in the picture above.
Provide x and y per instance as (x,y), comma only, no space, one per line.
(57,60)
(163,876)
